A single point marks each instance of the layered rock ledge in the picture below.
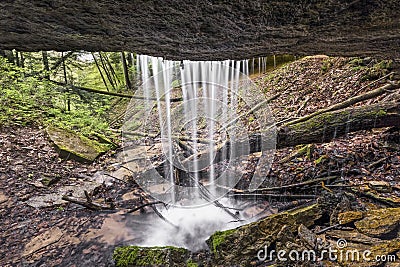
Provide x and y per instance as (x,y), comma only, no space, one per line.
(202,29)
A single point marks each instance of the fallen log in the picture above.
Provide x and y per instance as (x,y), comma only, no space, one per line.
(283,188)
(325,127)
(270,196)
(144,205)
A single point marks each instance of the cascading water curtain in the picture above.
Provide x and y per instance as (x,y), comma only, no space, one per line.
(187,112)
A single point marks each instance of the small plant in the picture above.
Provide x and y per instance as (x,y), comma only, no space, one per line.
(326,65)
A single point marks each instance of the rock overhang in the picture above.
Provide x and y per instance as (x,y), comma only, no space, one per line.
(204,30)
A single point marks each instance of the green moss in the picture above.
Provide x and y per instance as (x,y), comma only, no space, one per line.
(381,113)
(71,143)
(316,122)
(356,62)
(149,256)
(219,237)
(190,263)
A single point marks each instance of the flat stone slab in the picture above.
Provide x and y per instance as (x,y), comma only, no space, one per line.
(42,241)
(71,145)
(379,222)
(51,199)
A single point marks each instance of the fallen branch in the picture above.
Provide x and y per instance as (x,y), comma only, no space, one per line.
(387,201)
(303,105)
(371,83)
(255,108)
(281,188)
(144,205)
(291,186)
(113,93)
(349,102)
(376,163)
(150,135)
(162,217)
(295,204)
(240,195)
(87,204)
(327,229)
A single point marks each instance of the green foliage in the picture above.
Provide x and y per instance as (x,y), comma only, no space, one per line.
(326,65)
(373,69)
(29,100)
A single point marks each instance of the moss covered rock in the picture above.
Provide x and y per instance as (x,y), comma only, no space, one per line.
(152,256)
(349,216)
(379,222)
(239,247)
(71,145)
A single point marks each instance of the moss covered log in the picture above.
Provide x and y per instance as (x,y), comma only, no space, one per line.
(327,126)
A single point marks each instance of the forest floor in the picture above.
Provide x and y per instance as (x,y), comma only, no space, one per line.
(57,233)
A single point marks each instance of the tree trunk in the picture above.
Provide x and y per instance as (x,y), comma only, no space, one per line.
(18,63)
(66,81)
(104,65)
(99,69)
(46,64)
(22,61)
(126,72)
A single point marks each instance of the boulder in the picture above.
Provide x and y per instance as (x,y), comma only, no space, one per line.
(240,246)
(349,216)
(71,145)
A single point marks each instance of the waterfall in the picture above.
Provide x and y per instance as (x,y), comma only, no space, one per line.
(177,125)
(187,134)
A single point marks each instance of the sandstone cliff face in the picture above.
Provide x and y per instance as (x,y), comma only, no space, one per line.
(204,29)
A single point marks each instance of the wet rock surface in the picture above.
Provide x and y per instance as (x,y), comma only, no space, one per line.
(204,30)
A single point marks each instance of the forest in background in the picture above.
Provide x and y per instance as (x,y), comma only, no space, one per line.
(55,88)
